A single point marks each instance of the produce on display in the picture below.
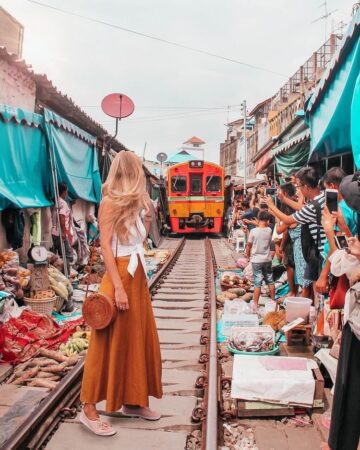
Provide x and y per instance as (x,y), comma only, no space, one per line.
(44,370)
(13,278)
(232,280)
(252,339)
(77,344)
(275,319)
(59,283)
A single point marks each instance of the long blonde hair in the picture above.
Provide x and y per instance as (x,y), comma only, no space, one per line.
(125,186)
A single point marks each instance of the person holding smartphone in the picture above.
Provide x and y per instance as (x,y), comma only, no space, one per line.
(345,223)
(344,426)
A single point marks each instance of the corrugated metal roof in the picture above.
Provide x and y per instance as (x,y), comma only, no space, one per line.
(349,39)
(49,96)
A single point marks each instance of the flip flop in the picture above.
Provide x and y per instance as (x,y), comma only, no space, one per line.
(143,413)
(96,426)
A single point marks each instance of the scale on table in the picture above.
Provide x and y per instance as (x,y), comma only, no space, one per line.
(39,279)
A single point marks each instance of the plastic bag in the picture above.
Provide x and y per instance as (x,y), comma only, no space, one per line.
(10,309)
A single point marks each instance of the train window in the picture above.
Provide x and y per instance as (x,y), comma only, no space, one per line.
(178,184)
(196,184)
(213,184)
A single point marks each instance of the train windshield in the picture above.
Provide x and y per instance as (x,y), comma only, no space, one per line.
(213,184)
(178,184)
(195,180)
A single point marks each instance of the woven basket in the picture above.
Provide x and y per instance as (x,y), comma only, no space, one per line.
(58,304)
(99,310)
(44,306)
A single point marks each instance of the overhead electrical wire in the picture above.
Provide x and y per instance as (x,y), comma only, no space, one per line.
(171,117)
(156,38)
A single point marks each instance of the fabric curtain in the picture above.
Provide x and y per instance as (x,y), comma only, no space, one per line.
(24,162)
(293,159)
(75,156)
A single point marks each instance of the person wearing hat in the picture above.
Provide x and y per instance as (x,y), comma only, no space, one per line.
(345,419)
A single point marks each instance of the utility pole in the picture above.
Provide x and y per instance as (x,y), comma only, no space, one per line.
(245,143)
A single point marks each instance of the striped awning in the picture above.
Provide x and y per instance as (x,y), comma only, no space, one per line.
(282,148)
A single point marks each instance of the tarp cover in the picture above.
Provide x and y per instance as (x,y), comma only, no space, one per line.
(273,379)
(24,163)
(293,159)
(332,118)
(75,157)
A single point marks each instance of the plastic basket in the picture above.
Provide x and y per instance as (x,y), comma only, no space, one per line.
(43,306)
(58,304)
(233,350)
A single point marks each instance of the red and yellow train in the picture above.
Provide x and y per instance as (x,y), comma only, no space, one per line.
(196,197)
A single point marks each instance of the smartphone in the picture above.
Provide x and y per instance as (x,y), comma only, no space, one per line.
(341,242)
(331,199)
(270,191)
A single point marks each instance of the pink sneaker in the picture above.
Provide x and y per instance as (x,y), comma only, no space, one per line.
(96,426)
(143,413)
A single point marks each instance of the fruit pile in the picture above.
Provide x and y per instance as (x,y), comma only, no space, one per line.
(77,344)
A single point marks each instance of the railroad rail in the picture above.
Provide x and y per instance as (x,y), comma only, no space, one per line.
(173,283)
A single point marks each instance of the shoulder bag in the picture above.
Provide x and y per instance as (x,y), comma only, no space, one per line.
(99,310)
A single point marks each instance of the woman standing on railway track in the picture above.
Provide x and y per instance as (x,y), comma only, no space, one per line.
(123,363)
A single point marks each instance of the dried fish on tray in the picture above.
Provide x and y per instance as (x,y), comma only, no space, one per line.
(252,339)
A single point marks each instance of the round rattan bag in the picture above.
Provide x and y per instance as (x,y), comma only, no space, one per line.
(99,310)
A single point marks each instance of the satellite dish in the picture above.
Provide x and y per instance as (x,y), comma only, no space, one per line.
(117,105)
(161,157)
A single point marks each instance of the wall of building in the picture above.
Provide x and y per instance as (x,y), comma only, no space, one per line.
(17,88)
(11,33)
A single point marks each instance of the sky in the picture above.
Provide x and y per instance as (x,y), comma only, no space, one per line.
(177,92)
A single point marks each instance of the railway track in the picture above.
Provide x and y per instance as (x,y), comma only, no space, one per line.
(185,311)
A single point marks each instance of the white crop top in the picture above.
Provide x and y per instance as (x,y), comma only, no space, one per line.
(134,248)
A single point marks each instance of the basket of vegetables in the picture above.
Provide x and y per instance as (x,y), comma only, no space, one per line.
(42,302)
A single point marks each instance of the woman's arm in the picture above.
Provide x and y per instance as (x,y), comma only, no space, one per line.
(296,205)
(281,228)
(106,236)
(288,220)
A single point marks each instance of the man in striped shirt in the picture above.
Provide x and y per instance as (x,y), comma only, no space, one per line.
(308,183)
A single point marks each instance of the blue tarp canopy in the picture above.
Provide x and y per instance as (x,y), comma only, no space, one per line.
(75,157)
(24,162)
(334,109)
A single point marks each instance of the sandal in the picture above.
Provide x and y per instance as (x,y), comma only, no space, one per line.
(143,413)
(96,426)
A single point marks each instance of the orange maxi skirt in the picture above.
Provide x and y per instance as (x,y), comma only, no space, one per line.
(123,362)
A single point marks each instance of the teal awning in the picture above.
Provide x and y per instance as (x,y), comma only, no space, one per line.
(293,159)
(75,157)
(333,111)
(24,163)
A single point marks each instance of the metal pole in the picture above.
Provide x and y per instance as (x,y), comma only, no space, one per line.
(245,146)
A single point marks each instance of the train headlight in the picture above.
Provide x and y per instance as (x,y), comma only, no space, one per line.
(174,212)
(218,211)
